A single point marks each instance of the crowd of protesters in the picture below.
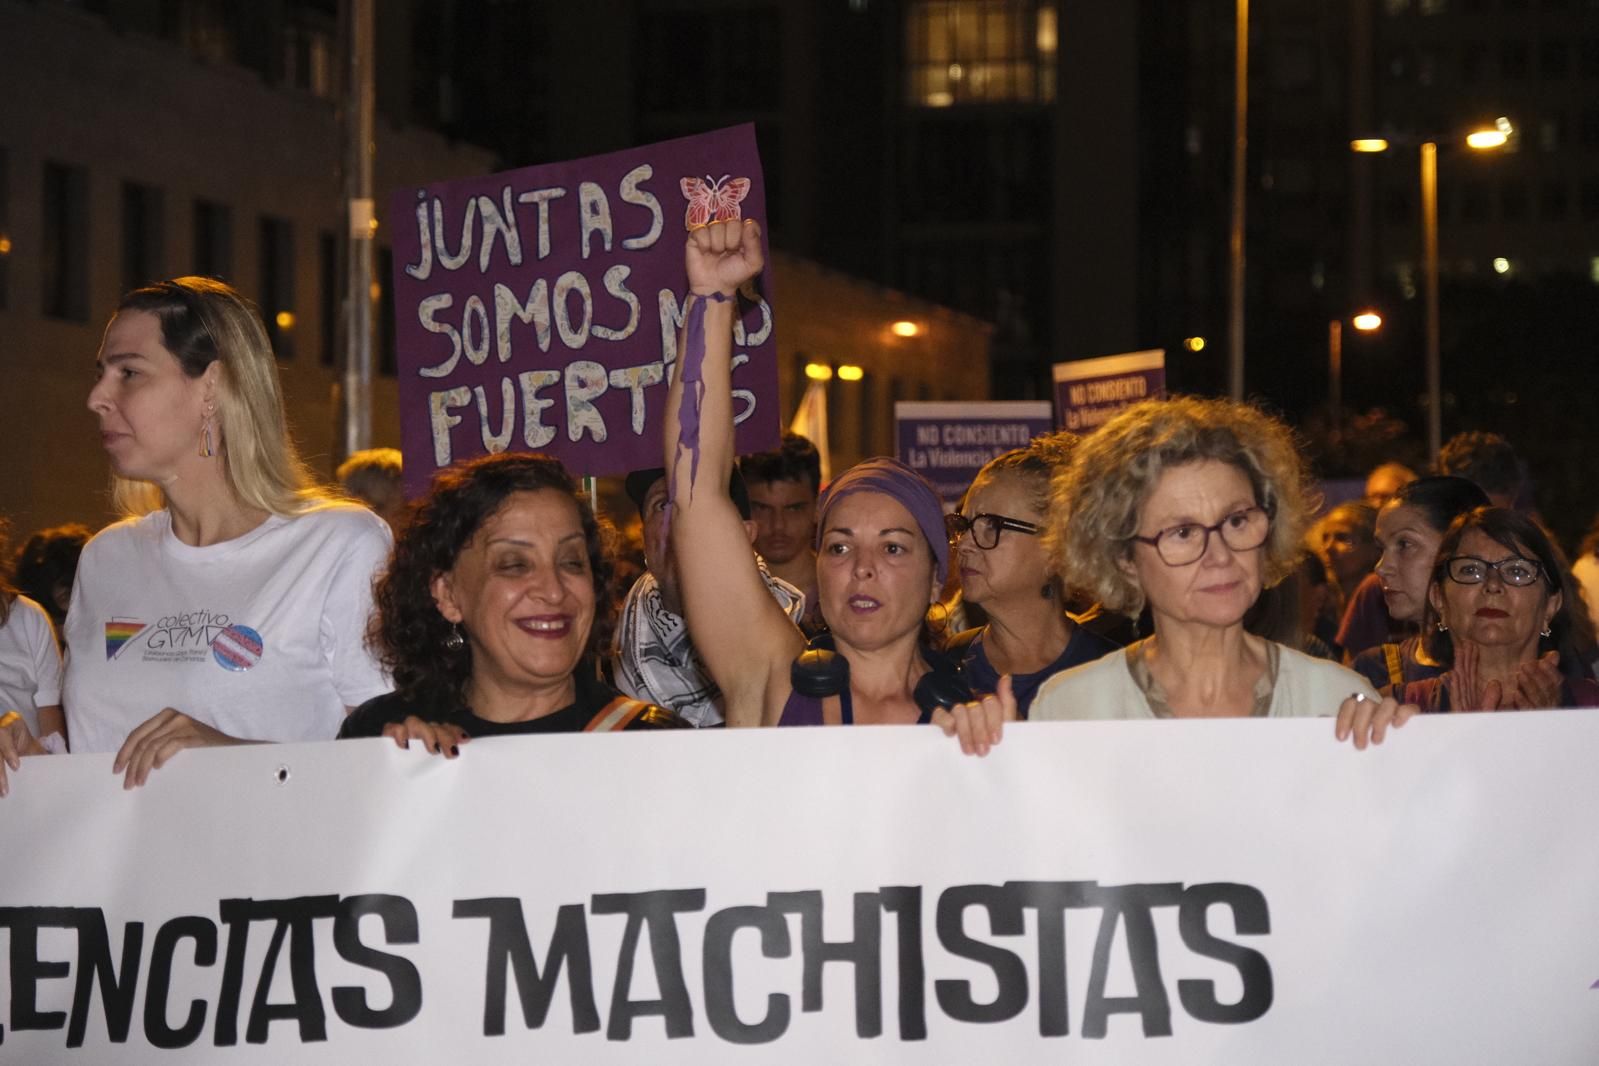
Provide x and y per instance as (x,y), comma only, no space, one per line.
(1169,564)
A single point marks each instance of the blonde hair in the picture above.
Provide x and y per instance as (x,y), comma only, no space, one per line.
(204,321)
(1095,502)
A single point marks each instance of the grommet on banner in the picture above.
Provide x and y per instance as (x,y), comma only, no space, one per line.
(281,775)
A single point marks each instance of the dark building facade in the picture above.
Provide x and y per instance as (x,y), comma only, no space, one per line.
(946,148)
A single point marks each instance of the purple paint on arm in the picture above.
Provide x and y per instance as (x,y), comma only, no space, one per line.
(692,370)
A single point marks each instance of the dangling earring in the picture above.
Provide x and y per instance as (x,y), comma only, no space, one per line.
(1441,627)
(455,641)
(1547,632)
(206,449)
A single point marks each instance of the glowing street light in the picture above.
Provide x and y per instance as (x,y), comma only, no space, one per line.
(1365,322)
(818,371)
(847,372)
(905,328)
(1369,144)
(1194,344)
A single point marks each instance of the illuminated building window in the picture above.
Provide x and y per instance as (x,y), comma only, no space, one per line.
(980,52)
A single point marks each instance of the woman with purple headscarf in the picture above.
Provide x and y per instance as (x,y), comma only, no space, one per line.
(882,553)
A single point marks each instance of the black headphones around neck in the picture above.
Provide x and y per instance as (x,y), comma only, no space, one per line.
(821,671)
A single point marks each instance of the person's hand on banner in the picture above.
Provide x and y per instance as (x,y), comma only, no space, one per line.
(722,256)
(15,742)
(159,738)
(1363,720)
(981,723)
(439,738)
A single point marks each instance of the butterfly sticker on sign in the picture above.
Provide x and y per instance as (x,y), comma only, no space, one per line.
(713,199)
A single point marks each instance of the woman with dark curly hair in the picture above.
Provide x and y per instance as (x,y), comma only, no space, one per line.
(45,567)
(492,612)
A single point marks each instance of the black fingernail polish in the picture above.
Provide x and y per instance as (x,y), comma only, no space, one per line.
(455,749)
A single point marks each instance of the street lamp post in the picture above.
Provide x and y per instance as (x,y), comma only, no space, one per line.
(1236,228)
(1335,370)
(356,409)
(1429,246)
(1481,140)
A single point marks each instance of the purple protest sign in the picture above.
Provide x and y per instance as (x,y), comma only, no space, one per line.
(948,443)
(539,309)
(1089,391)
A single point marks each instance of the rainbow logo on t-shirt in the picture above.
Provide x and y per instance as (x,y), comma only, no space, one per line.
(118,632)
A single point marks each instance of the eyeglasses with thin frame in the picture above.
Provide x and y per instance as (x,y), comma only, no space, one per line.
(985,528)
(1187,543)
(1514,571)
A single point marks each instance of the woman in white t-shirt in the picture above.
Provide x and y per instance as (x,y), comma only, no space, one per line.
(30,675)
(232,605)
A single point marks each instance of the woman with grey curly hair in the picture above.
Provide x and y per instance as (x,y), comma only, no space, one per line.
(1192,506)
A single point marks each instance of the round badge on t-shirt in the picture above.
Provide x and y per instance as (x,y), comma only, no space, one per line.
(237,648)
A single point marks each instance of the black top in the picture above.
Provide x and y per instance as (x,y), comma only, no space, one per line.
(593,697)
(1083,646)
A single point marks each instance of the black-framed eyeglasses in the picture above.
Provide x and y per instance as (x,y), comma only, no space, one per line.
(1181,545)
(985,528)
(1470,570)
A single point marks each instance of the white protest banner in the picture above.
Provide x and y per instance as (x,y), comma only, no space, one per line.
(1160,892)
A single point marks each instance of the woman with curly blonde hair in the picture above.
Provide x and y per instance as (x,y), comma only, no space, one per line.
(1192,506)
